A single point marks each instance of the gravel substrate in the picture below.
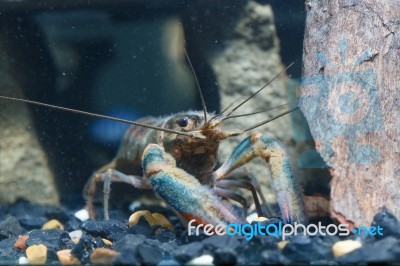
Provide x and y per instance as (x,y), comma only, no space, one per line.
(23,240)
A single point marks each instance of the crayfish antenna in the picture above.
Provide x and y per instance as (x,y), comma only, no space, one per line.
(269,120)
(226,109)
(254,113)
(203,103)
(263,87)
(189,134)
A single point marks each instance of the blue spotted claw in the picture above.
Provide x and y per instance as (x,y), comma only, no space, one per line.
(284,184)
(182,191)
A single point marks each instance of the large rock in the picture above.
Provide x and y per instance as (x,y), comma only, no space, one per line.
(350,97)
(24,169)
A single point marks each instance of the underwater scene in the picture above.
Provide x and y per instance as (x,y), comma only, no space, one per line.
(188,132)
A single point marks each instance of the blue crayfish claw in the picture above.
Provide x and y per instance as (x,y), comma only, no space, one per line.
(182,191)
(284,184)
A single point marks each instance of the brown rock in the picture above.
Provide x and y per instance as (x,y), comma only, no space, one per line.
(350,97)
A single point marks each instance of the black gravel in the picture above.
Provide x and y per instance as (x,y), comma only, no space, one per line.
(189,251)
(225,256)
(10,227)
(111,229)
(85,247)
(146,245)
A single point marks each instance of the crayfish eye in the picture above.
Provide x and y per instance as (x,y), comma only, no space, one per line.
(183,122)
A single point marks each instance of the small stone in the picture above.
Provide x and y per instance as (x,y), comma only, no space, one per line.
(10,227)
(167,248)
(249,251)
(103,256)
(282,244)
(53,224)
(72,224)
(104,229)
(31,222)
(142,227)
(214,242)
(107,242)
(134,218)
(225,256)
(305,249)
(162,220)
(23,260)
(273,257)
(189,251)
(75,240)
(163,235)
(20,243)
(36,254)
(82,215)
(53,239)
(251,217)
(126,257)
(148,254)
(386,250)
(75,234)
(202,260)
(66,258)
(346,246)
(57,213)
(85,246)
(129,242)
(261,219)
(386,220)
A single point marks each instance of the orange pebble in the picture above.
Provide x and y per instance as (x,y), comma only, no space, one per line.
(103,256)
(66,258)
(20,242)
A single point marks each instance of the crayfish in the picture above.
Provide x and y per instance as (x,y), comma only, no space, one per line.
(175,156)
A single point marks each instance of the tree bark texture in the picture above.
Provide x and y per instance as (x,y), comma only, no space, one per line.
(351,99)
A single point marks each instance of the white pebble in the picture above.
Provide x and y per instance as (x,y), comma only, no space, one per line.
(82,215)
(343,247)
(251,217)
(202,260)
(23,260)
(75,234)
(134,205)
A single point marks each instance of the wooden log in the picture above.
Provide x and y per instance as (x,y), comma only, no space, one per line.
(351,99)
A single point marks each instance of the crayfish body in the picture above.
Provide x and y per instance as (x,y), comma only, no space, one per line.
(179,168)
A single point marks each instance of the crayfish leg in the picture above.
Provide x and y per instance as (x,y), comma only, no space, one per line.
(108,175)
(228,183)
